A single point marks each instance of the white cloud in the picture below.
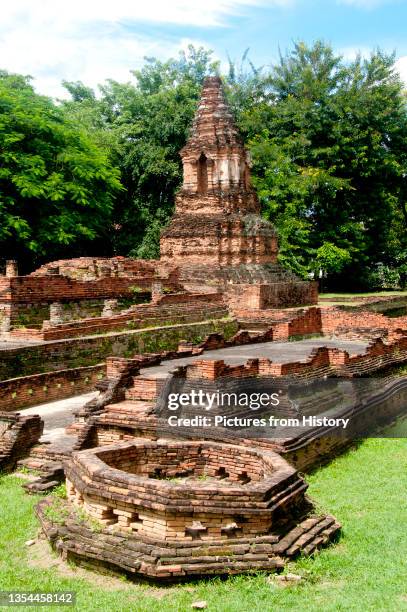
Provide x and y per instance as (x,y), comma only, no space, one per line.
(74,12)
(92,40)
(365,4)
(401,67)
(351,53)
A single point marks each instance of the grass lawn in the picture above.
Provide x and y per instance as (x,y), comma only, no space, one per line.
(361,295)
(366,570)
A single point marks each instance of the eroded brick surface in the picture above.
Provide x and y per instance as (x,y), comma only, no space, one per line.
(17,435)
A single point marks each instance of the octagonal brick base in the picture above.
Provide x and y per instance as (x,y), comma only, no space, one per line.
(173,509)
(174,561)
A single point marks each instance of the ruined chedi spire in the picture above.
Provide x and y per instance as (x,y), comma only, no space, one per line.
(217,239)
(214,158)
(213,123)
(216,221)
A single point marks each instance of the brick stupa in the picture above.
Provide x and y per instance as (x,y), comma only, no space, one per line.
(217,237)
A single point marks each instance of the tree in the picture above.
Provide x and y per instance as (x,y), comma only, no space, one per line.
(327,137)
(330,159)
(56,186)
(330,259)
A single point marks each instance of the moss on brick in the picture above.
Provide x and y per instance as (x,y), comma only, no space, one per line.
(79,352)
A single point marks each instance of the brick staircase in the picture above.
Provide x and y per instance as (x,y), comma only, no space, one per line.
(133,416)
(45,461)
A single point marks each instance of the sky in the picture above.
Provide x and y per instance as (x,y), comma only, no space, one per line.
(93,40)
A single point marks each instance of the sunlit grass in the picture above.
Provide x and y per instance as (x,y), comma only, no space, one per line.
(361,295)
(366,489)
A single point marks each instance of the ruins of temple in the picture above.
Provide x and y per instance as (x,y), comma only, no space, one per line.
(216,309)
(217,237)
(216,242)
(217,220)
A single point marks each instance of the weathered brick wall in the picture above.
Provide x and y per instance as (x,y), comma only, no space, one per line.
(91,268)
(28,391)
(176,309)
(333,318)
(17,434)
(76,352)
(215,240)
(4,288)
(188,298)
(284,323)
(33,315)
(266,316)
(5,312)
(328,321)
(323,360)
(81,309)
(46,289)
(306,324)
(339,321)
(276,295)
(28,315)
(377,356)
(211,369)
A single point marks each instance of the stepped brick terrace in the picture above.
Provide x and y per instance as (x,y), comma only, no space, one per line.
(217,243)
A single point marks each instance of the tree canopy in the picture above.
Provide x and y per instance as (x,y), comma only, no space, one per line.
(329,145)
(147,123)
(56,186)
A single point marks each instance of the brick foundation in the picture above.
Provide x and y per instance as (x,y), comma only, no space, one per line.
(238,505)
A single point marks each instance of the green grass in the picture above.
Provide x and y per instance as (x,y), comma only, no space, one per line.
(366,489)
(361,295)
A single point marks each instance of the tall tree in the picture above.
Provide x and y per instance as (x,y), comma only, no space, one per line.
(330,162)
(56,186)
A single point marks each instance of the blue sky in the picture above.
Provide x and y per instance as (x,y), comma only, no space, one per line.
(92,40)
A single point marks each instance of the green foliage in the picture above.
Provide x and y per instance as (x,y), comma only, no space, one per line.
(145,124)
(384,277)
(331,258)
(56,185)
(149,248)
(56,511)
(328,143)
(60,491)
